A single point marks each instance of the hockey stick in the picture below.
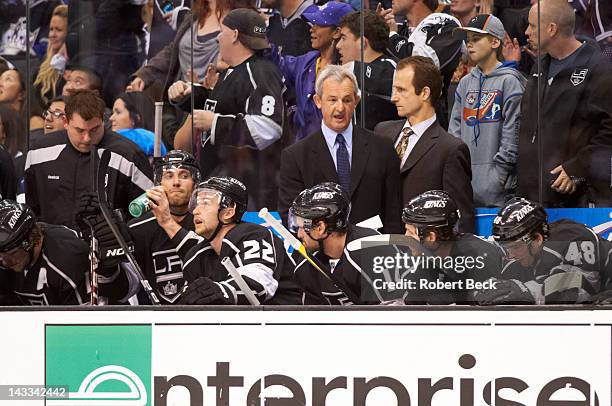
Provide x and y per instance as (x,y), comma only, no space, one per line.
(93,270)
(248,293)
(108,217)
(299,247)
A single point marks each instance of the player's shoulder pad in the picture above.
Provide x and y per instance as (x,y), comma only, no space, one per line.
(248,231)
(568,230)
(62,245)
(356,232)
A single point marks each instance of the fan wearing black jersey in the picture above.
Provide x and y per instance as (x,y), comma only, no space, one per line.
(461,258)
(40,264)
(258,255)
(560,262)
(240,120)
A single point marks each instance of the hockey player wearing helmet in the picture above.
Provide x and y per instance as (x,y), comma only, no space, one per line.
(320,218)
(40,264)
(560,262)
(175,175)
(431,218)
(217,205)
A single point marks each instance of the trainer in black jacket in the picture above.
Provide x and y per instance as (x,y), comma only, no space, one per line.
(57,173)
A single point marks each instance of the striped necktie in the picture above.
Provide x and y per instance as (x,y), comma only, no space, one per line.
(343,164)
(402,145)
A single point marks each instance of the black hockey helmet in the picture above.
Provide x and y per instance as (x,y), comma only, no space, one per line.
(16,222)
(519,219)
(325,202)
(434,211)
(176,159)
(231,191)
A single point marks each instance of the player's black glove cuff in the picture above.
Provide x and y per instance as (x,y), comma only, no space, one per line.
(88,207)
(504,292)
(109,250)
(205,291)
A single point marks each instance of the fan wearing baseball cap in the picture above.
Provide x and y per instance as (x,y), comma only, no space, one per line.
(240,119)
(486,112)
(300,72)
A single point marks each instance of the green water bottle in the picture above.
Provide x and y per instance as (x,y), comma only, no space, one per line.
(139,206)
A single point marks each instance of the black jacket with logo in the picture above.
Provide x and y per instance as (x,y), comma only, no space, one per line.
(576,130)
(56,174)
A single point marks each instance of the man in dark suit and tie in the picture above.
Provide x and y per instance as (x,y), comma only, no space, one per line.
(431,158)
(365,165)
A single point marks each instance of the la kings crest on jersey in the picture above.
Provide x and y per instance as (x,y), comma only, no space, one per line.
(157,256)
(168,269)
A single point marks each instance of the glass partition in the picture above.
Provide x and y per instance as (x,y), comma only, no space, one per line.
(520,98)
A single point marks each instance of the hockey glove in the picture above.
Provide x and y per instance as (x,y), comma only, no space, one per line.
(109,250)
(205,291)
(603,298)
(505,292)
(87,209)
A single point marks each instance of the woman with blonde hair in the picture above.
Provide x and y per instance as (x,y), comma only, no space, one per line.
(52,68)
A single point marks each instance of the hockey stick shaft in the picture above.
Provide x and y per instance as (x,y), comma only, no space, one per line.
(159,108)
(93,270)
(299,247)
(108,217)
(248,293)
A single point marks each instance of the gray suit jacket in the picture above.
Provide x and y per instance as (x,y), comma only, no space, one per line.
(438,161)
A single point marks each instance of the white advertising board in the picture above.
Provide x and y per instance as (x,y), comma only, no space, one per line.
(286,358)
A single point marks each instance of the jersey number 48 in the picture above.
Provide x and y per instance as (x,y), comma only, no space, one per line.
(576,255)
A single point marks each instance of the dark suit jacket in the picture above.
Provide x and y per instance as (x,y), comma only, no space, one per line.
(375,185)
(438,161)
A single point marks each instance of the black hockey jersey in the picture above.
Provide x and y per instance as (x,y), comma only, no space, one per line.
(258,255)
(242,143)
(355,269)
(569,268)
(433,38)
(157,256)
(291,34)
(376,94)
(471,259)
(59,275)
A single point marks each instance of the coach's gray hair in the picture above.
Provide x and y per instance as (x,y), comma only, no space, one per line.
(337,73)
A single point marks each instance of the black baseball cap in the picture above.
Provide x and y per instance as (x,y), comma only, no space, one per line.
(251,27)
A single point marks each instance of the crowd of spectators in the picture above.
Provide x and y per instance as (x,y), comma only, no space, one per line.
(485,100)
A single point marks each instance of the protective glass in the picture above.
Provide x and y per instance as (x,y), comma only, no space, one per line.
(204,198)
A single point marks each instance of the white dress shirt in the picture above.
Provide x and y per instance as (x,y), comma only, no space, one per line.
(418,129)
